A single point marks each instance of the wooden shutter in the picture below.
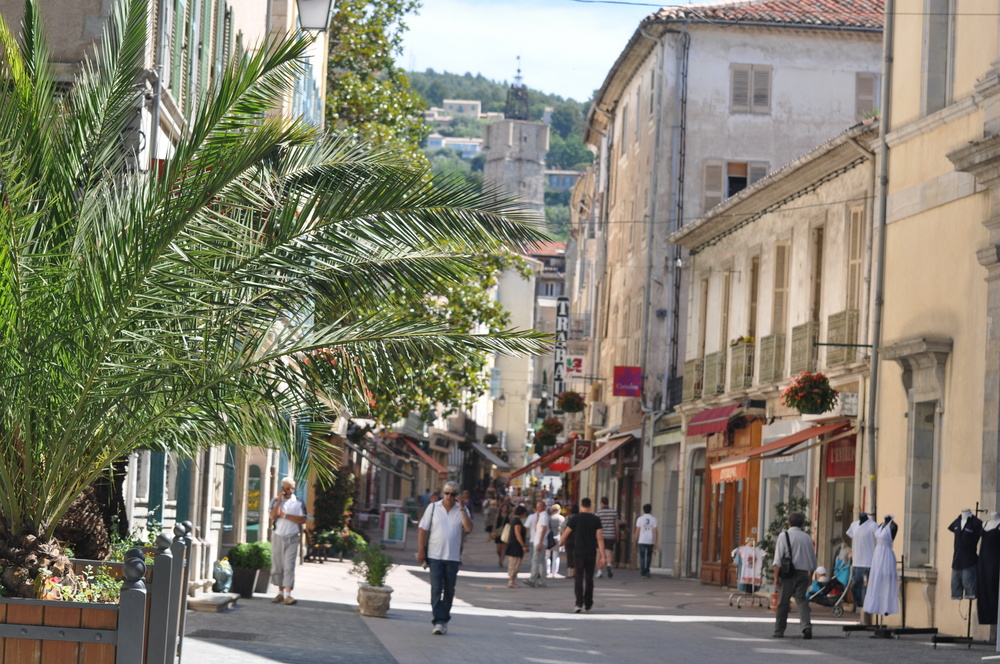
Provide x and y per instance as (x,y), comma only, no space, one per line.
(761,101)
(780,301)
(713,184)
(739,88)
(855,247)
(757,170)
(865,95)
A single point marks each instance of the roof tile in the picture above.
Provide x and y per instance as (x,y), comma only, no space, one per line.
(839,13)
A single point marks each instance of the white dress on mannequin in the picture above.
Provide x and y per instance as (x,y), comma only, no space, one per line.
(883,583)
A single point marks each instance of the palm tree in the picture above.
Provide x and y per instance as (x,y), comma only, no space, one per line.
(173,310)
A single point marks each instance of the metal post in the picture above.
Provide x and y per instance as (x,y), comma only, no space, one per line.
(132,610)
(185,576)
(158,650)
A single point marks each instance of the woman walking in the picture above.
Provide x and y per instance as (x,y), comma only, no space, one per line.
(515,546)
(502,519)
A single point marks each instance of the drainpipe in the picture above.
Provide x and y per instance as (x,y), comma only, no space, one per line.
(883,180)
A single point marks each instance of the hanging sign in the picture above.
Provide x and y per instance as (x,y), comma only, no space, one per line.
(562,339)
(628,382)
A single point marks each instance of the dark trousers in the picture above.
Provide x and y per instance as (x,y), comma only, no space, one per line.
(443,575)
(645,558)
(794,587)
(859,575)
(583,580)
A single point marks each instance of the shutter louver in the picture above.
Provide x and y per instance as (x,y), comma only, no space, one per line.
(761,102)
(778,316)
(713,191)
(865,86)
(757,171)
(739,90)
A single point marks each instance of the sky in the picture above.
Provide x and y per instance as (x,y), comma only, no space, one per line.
(567,47)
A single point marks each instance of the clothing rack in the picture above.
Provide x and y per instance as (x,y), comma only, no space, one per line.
(756,582)
(967,639)
(879,630)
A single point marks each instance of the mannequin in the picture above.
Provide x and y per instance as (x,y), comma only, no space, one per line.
(862,536)
(964,563)
(988,580)
(883,581)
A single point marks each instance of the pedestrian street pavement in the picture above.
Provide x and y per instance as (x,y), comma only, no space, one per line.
(662,619)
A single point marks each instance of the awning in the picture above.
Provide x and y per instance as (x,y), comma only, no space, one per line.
(426,458)
(489,456)
(780,446)
(601,452)
(713,420)
(729,471)
(373,458)
(546,460)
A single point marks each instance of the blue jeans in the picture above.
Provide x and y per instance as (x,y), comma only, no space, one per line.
(443,575)
(859,575)
(645,558)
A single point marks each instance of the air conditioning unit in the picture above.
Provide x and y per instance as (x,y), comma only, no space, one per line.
(598,414)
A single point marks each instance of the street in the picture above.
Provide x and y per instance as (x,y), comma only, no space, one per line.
(634,620)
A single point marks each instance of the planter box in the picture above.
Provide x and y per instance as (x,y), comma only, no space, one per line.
(244,580)
(263,580)
(373,601)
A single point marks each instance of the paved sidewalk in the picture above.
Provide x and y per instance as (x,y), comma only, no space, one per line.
(490,621)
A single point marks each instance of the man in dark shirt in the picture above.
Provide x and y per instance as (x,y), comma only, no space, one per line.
(588,552)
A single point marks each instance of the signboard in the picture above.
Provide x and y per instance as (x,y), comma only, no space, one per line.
(574,366)
(840,457)
(394,527)
(494,383)
(848,404)
(582,450)
(562,339)
(628,382)
(561,465)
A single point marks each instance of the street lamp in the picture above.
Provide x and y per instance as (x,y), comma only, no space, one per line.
(315,14)
(501,400)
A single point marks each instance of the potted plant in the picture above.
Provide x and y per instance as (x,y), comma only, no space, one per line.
(570,402)
(490,439)
(246,560)
(264,573)
(809,393)
(372,565)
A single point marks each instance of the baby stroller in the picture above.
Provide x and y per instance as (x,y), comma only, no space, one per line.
(833,592)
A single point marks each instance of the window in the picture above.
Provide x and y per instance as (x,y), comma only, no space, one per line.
(750,89)
(702,318)
(866,95)
(816,295)
(727,287)
(779,307)
(638,111)
(939,54)
(855,247)
(722,179)
(624,128)
(754,288)
(920,485)
(652,96)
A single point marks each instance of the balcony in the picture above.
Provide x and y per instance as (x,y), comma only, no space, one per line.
(772,358)
(842,328)
(741,365)
(715,374)
(692,380)
(804,338)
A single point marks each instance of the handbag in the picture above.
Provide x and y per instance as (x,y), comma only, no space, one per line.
(505,533)
(786,569)
(550,540)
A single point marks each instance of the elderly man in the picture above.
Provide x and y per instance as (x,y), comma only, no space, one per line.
(797,544)
(538,528)
(288,513)
(439,542)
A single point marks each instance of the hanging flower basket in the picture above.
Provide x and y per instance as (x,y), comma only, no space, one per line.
(810,393)
(570,402)
(552,425)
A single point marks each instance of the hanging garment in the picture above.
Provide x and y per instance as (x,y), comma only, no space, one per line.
(751,568)
(989,577)
(883,582)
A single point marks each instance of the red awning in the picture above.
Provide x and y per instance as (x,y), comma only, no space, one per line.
(546,460)
(713,420)
(601,452)
(426,458)
(794,439)
(729,471)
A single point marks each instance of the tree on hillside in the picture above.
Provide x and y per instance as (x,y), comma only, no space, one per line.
(176,310)
(567,119)
(568,154)
(366,92)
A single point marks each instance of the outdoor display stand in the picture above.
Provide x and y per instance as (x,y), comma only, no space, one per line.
(750,575)
(880,631)
(394,518)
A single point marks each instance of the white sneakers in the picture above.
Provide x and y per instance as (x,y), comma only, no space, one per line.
(440,629)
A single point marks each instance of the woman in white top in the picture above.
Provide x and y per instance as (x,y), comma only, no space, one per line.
(556,521)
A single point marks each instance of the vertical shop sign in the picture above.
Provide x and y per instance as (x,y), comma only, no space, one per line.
(562,338)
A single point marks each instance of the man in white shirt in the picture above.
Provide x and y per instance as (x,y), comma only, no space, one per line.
(538,529)
(439,542)
(862,534)
(646,536)
(288,513)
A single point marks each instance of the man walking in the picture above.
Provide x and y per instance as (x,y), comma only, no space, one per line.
(439,542)
(539,529)
(799,546)
(609,530)
(588,553)
(288,513)
(646,536)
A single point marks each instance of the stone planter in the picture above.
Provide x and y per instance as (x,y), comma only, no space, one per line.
(263,579)
(244,580)
(373,601)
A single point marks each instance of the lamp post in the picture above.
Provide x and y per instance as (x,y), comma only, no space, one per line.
(315,14)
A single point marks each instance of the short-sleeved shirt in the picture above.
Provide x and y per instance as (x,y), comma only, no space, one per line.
(292,507)
(538,527)
(585,527)
(862,542)
(609,522)
(444,531)
(645,525)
